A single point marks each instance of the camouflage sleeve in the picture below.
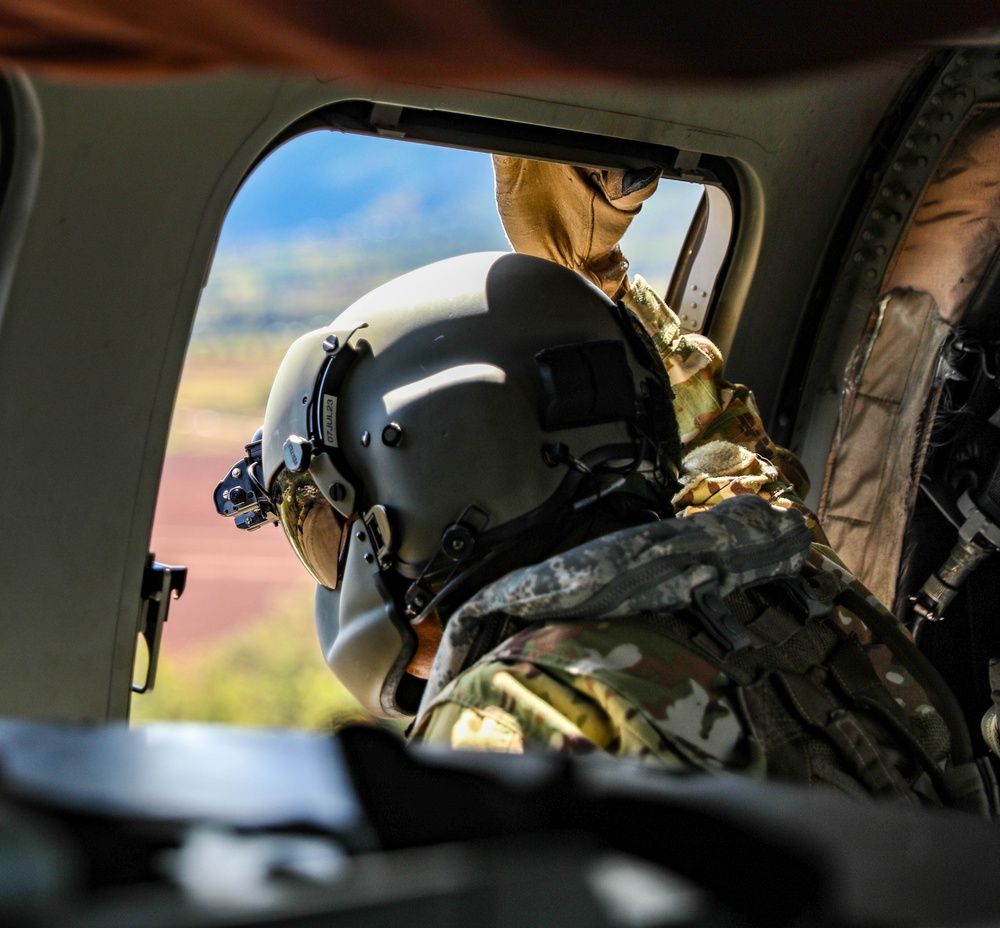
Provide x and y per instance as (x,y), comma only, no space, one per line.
(471,728)
(577,689)
(727,451)
(496,706)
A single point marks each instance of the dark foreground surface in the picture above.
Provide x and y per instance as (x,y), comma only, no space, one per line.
(209,826)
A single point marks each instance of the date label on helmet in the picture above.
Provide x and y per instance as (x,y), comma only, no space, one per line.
(330,420)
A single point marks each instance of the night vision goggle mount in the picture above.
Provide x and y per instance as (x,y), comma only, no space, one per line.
(240,495)
(243,495)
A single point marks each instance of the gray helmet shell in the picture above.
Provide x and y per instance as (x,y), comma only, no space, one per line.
(439,411)
(450,359)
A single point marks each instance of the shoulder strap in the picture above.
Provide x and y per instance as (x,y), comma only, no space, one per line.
(968,783)
(829,687)
(892,635)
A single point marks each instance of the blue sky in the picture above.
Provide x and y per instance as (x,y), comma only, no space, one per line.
(329,184)
(328,216)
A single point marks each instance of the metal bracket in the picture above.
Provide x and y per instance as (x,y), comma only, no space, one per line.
(241,496)
(978,539)
(379,529)
(977,524)
(693,285)
(160,583)
(385,119)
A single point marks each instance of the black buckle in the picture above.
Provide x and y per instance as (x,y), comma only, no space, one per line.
(727,631)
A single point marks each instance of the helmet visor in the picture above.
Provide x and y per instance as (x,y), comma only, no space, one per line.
(316,531)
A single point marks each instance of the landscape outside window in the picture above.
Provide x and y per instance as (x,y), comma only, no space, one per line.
(323,220)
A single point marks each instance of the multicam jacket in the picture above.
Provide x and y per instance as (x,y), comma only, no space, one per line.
(727,449)
(709,642)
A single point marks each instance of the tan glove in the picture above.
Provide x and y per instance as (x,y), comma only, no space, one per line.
(574,216)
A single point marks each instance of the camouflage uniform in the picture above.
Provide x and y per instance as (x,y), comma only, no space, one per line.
(727,451)
(605,647)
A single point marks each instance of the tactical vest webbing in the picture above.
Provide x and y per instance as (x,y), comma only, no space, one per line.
(742,587)
(814,707)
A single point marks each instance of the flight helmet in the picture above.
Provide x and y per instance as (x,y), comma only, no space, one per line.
(439,433)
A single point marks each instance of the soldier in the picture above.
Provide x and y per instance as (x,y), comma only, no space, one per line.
(480,464)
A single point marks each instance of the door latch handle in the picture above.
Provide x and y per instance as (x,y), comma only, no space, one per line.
(160,584)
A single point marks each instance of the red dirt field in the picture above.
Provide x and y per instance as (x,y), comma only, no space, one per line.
(234,577)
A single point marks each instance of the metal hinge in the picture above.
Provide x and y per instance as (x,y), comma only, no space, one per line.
(160,584)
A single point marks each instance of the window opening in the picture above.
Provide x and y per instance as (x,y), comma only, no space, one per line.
(322,220)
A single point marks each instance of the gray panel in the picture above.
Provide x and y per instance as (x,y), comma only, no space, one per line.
(91,343)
